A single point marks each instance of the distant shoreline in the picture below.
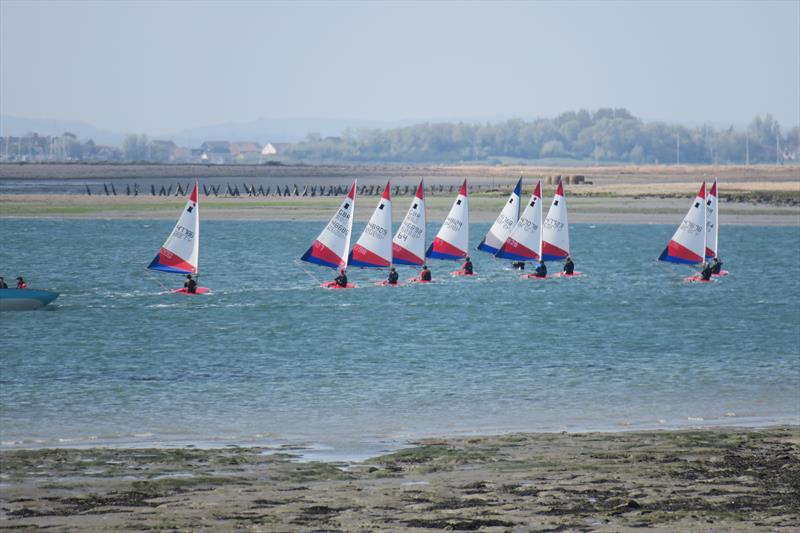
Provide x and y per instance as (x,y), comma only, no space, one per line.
(619,173)
(483,208)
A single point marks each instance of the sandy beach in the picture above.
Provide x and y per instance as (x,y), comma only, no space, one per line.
(686,480)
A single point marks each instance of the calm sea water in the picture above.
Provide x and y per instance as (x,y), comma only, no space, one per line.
(270,358)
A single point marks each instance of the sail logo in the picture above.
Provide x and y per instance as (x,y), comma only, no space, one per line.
(528,226)
(183,233)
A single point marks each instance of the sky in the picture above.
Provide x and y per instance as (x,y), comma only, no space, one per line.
(160,67)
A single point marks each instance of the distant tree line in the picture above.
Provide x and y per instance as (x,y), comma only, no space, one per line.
(605,135)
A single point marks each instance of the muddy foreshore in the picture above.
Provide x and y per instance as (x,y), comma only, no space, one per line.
(684,480)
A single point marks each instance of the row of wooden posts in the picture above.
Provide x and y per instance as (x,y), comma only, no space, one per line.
(308,190)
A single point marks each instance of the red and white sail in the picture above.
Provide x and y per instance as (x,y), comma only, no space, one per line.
(331,247)
(452,240)
(374,247)
(688,244)
(555,228)
(180,254)
(712,221)
(524,243)
(408,245)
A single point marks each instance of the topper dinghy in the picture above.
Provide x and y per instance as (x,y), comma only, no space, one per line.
(331,247)
(180,253)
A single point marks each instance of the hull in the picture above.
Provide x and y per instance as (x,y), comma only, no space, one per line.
(25,299)
(199,290)
(461,273)
(333,285)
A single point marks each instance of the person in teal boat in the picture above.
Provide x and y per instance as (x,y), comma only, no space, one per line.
(190,284)
(3,284)
(393,276)
(341,279)
(21,283)
(541,270)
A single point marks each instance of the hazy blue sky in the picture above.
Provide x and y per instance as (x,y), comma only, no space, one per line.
(158,67)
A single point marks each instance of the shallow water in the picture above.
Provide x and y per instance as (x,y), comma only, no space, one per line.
(270,358)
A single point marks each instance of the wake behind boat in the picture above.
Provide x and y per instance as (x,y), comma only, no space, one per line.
(25,299)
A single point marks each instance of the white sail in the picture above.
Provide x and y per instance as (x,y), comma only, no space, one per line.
(688,243)
(452,240)
(331,247)
(374,247)
(555,228)
(501,228)
(408,245)
(180,254)
(712,221)
(524,242)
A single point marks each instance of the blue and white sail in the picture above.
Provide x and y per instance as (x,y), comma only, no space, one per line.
(501,228)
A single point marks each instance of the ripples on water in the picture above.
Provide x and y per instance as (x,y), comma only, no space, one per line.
(271,358)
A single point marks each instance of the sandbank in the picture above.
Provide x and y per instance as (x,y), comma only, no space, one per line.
(681,480)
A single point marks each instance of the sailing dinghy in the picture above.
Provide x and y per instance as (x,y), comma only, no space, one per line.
(501,228)
(331,247)
(180,254)
(712,225)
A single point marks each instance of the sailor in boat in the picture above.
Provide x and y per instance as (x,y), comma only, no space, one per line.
(705,274)
(425,273)
(341,279)
(3,284)
(21,283)
(518,265)
(569,266)
(393,276)
(716,266)
(466,268)
(541,270)
(191,284)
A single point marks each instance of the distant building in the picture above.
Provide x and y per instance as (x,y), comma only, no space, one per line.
(268,150)
(217,152)
(245,151)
